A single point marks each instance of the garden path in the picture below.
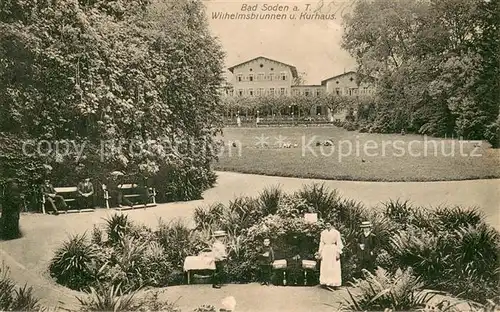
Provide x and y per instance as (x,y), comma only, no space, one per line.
(28,256)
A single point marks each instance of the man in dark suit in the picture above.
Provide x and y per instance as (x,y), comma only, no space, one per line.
(52,199)
(85,197)
(367,244)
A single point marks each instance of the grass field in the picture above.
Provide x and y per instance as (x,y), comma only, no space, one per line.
(355,156)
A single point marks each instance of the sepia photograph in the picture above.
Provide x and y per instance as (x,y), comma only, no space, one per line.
(250,156)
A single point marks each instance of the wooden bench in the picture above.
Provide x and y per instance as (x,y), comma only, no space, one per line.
(69,193)
(127,190)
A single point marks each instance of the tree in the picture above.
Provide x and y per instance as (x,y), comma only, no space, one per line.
(134,82)
(434,60)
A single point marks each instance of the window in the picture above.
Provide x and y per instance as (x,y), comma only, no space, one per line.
(250,77)
(260,91)
(282,91)
(283,76)
(250,92)
(239,77)
(271,91)
(240,92)
(318,92)
(307,92)
(338,91)
(260,77)
(261,65)
(271,76)
(296,92)
(318,110)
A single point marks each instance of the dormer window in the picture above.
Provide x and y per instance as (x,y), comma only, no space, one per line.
(261,65)
(351,79)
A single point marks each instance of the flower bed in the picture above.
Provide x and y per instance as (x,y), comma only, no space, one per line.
(443,247)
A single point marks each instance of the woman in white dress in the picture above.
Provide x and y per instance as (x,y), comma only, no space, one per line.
(330,249)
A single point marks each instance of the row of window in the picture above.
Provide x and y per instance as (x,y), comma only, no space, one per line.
(261,91)
(307,92)
(262,77)
(353,91)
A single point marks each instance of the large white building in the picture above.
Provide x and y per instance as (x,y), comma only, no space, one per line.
(262,76)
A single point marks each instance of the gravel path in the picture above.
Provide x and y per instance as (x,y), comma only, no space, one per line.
(28,256)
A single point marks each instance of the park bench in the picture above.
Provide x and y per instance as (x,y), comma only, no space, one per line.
(129,191)
(69,193)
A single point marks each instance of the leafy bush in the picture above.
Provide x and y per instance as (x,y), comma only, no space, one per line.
(270,199)
(104,298)
(319,198)
(456,217)
(401,291)
(117,226)
(75,263)
(185,183)
(449,249)
(14,298)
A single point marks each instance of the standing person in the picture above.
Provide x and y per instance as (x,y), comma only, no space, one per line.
(219,253)
(266,259)
(12,204)
(330,249)
(85,191)
(52,198)
(238,121)
(367,242)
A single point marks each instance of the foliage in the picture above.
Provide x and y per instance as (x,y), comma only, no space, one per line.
(75,263)
(133,85)
(434,65)
(273,105)
(117,226)
(270,199)
(108,299)
(14,298)
(448,248)
(401,291)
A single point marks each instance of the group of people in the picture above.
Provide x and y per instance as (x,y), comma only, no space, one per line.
(85,194)
(329,255)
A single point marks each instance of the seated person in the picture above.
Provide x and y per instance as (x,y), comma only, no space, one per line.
(115,191)
(85,194)
(143,189)
(52,199)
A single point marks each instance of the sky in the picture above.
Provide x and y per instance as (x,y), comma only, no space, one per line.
(312,46)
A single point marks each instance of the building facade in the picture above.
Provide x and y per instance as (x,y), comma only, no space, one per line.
(348,84)
(262,76)
(308,90)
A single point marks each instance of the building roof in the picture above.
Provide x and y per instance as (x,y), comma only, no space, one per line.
(338,76)
(292,68)
(323,82)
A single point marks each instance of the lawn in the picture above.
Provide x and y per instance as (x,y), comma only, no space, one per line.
(354,156)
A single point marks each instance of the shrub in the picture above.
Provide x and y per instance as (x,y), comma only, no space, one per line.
(75,263)
(319,198)
(178,241)
(13,298)
(184,183)
(400,291)
(456,217)
(269,200)
(117,226)
(104,298)
(240,214)
(206,218)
